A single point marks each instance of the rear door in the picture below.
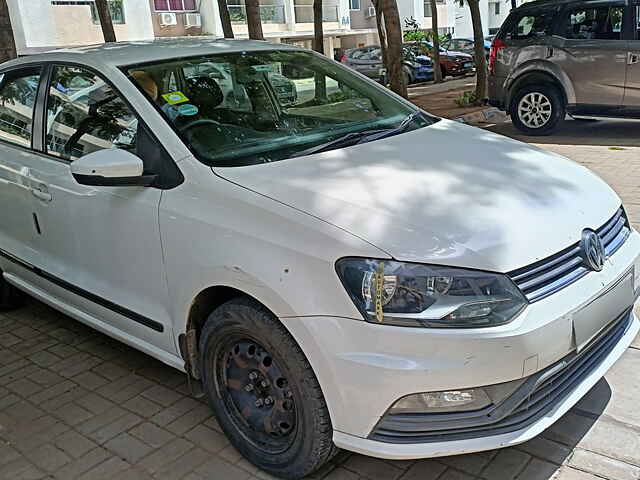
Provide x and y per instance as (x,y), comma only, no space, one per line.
(591,49)
(18,222)
(632,89)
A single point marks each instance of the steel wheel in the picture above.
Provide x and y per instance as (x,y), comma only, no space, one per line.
(256,395)
(535,110)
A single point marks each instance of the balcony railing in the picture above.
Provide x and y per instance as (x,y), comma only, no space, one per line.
(304,13)
(268,14)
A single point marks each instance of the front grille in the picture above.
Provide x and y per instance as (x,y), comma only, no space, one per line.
(529,403)
(547,276)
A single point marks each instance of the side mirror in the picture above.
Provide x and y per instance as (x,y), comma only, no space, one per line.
(111,168)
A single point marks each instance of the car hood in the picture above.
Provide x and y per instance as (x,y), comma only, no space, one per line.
(446,194)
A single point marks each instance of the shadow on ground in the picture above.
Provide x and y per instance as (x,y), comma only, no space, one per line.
(623,133)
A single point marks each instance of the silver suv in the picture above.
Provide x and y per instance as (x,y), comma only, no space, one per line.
(555,57)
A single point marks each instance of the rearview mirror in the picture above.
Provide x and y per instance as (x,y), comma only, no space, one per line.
(111,168)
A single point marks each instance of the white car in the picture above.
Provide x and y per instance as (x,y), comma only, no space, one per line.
(344,270)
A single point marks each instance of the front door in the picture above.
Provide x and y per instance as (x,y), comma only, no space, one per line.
(590,48)
(632,90)
(18,223)
(101,245)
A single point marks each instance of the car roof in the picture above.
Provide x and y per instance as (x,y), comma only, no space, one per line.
(138,52)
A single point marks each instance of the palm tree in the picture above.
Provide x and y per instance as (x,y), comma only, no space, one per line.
(318,34)
(393,31)
(104,14)
(225,18)
(254,22)
(478,46)
(377,5)
(7,43)
(435,39)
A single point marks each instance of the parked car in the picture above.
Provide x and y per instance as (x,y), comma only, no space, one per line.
(551,58)
(346,271)
(368,61)
(452,63)
(466,45)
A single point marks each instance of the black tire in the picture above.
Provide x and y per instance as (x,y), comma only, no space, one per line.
(553,98)
(303,444)
(10,297)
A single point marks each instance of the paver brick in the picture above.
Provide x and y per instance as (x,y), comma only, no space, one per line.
(100,421)
(162,395)
(472,463)
(82,464)
(546,449)
(95,403)
(190,419)
(538,470)
(424,470)
(185,464)
(603,466)
(506,465)
(142,406)
(48,457)
(110,468)
(128,448)
(74,444)
(166,454)
(207,438)
(151,434)
(122,424)
(218,468)
(73,414)
(374,468)
(90,380)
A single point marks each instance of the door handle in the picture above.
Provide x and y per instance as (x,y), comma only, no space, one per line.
(633,58)
(41,192)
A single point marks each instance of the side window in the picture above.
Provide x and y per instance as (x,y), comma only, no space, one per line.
(530,25)
(638,23)
(84,114)
(18,92)
(597,23)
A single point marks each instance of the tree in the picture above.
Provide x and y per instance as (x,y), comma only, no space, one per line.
(106,23)
(254,22)
(7,43)
(318,34)
(478,47)
(514,4)
(225,18)
(435,39)
(393,31)
(377,5)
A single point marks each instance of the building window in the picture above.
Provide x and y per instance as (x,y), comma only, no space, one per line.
(496,8)
(354,4)
(175,5)
(115,8)
(427,7)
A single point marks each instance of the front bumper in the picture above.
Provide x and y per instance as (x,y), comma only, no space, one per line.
(469,445)
(364,368)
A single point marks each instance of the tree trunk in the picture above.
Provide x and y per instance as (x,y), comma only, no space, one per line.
(435,39)
(225,18)
(514,4)
(318,34)
(106,24)
(481,61)
(394,47)
(7,43)
(377,4)
(254,22)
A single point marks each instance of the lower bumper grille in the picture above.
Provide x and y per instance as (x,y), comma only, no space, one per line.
(529,403)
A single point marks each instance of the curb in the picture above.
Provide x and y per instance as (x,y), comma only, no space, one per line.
(488,115)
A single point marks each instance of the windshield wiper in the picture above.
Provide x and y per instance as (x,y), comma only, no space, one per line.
(345,141)
(355,138)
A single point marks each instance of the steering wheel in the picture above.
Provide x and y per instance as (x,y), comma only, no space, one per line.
(198,123)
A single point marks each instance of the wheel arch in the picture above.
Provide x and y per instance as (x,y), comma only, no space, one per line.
(540,76)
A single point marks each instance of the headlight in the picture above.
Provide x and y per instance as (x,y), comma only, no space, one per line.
(415,295)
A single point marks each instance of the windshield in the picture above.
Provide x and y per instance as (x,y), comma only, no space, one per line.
(245,108)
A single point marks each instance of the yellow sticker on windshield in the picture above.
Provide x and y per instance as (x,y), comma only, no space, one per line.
(174,98)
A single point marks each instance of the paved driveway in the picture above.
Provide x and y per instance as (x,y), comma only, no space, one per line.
(76,404)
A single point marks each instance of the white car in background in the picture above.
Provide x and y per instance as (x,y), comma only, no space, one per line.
(333,269)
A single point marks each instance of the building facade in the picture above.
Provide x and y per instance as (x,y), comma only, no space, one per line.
(40,25)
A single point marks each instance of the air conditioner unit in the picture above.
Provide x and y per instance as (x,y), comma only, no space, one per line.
(168,18)
(371,11)
(192,20)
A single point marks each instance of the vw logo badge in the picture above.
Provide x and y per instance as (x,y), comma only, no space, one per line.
(592,250)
